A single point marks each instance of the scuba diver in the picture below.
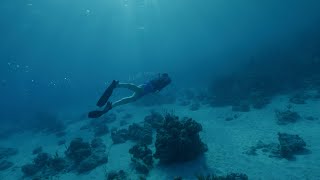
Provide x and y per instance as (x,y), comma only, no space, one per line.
(152,86)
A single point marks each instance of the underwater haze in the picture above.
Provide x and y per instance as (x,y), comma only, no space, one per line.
(91,42)
(246,74)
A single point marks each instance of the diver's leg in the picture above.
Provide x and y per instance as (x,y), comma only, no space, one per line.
(109,106)
(126,100)
(107,93)
(130,86)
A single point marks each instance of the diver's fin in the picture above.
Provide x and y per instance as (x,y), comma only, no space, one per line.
(95,114)
(107,93)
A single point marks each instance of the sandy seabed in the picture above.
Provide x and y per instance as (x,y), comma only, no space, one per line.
(227,141)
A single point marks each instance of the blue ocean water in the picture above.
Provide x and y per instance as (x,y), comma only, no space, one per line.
(58,56)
